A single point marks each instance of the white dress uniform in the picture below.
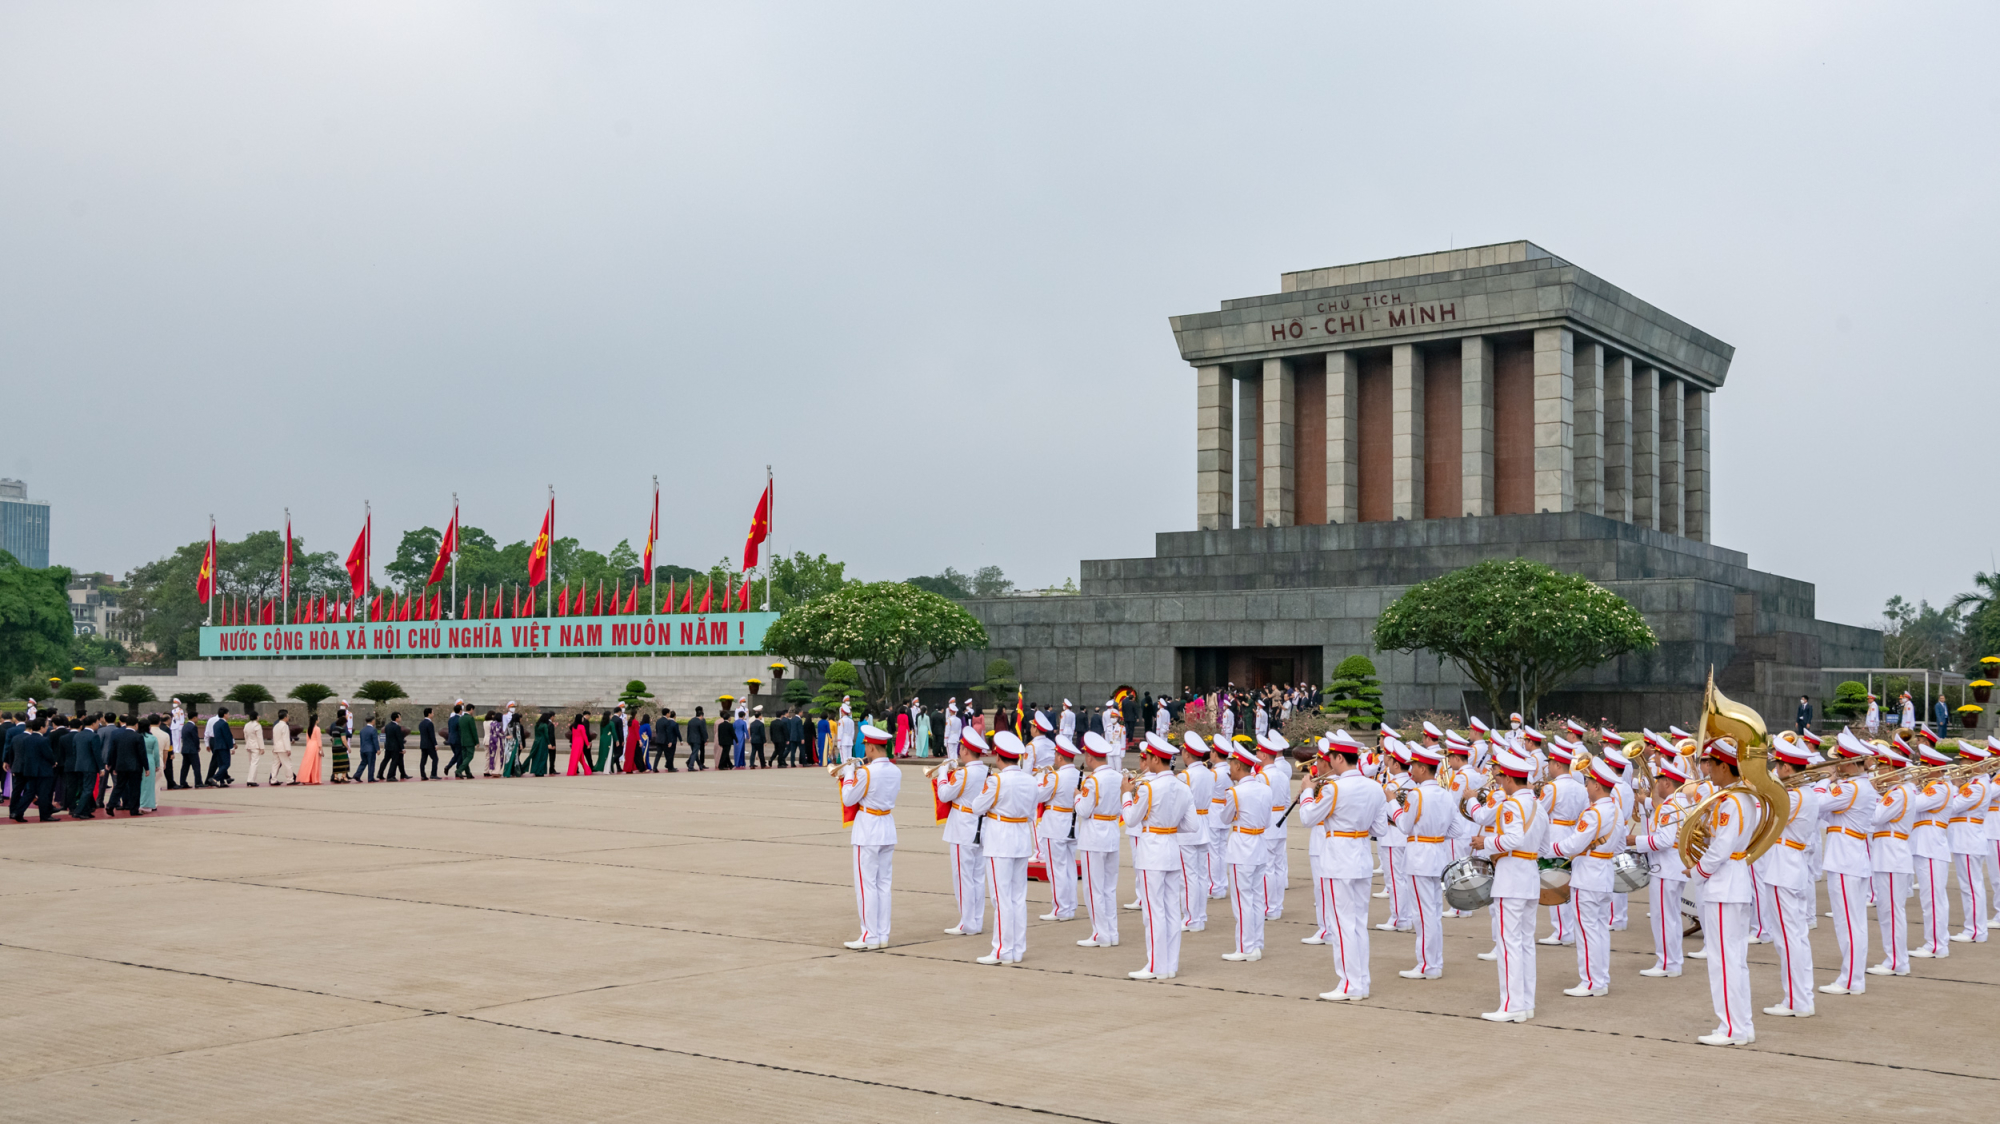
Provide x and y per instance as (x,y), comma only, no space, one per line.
(1992,826)
(1056,834)
(1725,916)
(1627,801)
(953,726)
(1278,866)
(1195,876)
(961,834)
(1889,852)
(843,734)
(873,785)
(1930,853)
(1246,813)
(1425,819)
(1566,800)
(1520,830)
(1164,810)
(1343,811)
(1660,844)
(1849,812)
(1781,873)
(1066,722)
(1588,847)
(1097,845)
(1389,840)
(1965,831)
(1007,801)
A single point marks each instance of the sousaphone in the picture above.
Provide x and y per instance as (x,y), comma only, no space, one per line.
(1722,717)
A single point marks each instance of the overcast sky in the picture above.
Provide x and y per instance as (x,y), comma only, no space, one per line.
(920,258)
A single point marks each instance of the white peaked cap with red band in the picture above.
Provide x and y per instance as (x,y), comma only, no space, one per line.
(1851,747)
(1042,722)
(1512,764)
(973,740)
(1428,754)
(1670,768)
(1341,739)
(1431,729)
(875,736)
(1159,746)
(1238,751)
(1790,753)
(1479,724)
(1095,745)
(1064,746)
(1007,745)
(1602,772)
(1563,750)
(1576,728)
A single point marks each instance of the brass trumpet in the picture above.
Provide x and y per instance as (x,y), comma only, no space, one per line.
(1813,775)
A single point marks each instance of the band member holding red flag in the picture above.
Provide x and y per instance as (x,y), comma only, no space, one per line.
(870,789)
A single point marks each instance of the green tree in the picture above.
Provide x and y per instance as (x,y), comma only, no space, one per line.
(130,695)
(842,681)
(1979,609)
(1000,681)
(1355,691)
(896,634)
(249,695)
(79,692)
(800,578)
(36,628)
(1514,627)
(949,583)
(1920,635)
(381,692)
(797,693)
(1850,701)
(162,595)
(196,698)
(311,694)
(634,693)
(988,581)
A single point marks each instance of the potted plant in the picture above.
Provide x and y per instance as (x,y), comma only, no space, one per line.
(1982,690)
(777,669)
(753,683)
(1968,715)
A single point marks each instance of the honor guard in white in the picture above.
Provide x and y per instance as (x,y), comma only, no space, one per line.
(1318,770)
(1930,851)
(1274,753)
(1461,779)
(1219,753)
(1658,840)
(1628,801)
(1066,722)
(1783,869)
(1340,810)
(1039,760)
(1056,830)
(1195,876)
(1425,816)
(1389,838)
(1045,749)
(1520,829)
(1587,845)
(1246,814)
(1163,808)
(1564,799)
(871,787)
(957,785)
(954,726)
(1965,831)
(1849,814)
(1097,816)
(1889,852)
(1727,898)
(1007,805)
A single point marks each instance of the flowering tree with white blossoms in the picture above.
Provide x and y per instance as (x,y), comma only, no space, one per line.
(895,634)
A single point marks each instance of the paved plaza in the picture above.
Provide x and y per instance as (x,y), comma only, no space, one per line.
(667,947)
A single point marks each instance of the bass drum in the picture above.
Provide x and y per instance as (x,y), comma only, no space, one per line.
(1630,872)
(1468,884)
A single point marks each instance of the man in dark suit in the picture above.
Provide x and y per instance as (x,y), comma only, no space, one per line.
(221,740)
(466,742)
(755,731)
(781,739)
(83,759)
(666,738)
(1805,714)
(697,732)
(125,756)
(32,761)
(427,748)
(394,737)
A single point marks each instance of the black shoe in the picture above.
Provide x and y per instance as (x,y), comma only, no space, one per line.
(18,819)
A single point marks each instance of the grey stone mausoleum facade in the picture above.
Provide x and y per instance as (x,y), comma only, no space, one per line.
(1371,426)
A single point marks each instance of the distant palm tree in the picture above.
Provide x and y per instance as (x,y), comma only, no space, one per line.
(1985,594)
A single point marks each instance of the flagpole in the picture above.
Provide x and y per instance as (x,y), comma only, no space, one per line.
(652,582)
(454,548)
(218,566)
(285,574)
(367,554)
(770,522)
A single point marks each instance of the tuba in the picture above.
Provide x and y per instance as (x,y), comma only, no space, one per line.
(1723,718)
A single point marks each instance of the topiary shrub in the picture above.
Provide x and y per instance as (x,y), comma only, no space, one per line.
(1850,701)
(842,681)
(1355,691)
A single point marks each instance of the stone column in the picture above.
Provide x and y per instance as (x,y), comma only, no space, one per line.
(1618,438)
(1343,438)
(1672,391)
(1249,433)
(1406,432)
(1476,406)
(1694,483)
(1214,450)
(1279,432)
(1646,447)
(1588,365)
(1555,420)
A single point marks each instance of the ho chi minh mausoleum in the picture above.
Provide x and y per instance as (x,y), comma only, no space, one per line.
(1370,426)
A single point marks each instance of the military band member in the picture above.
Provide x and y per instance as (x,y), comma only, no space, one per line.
(1889,852)
(1390,839)
(1727,898)
(1930,851)
(957,784)
(1246,814)
(1055,833)
(872,786)
(1564,799)
(1849,815)
(1425,816)
(1195,851)
(1274,756)
(1097,818)
(1658,840)
(1219,752)
(1791,890)
(1007,803)
(1587,844)
(1519,830)
(1163,809)
(1965,832)
(1340,808)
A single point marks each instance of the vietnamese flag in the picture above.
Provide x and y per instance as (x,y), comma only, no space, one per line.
(357,561)
(582,602)
(707,595)
(598,610)
(465,610)
(631,601)
(743,596)
(204,578)
(687,599)
(437,605)
(447,546)
(270,613)
(538,555)
(562,601)
(760,528)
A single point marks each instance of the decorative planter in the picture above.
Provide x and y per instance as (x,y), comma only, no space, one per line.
(1982,691)
(1968,718)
